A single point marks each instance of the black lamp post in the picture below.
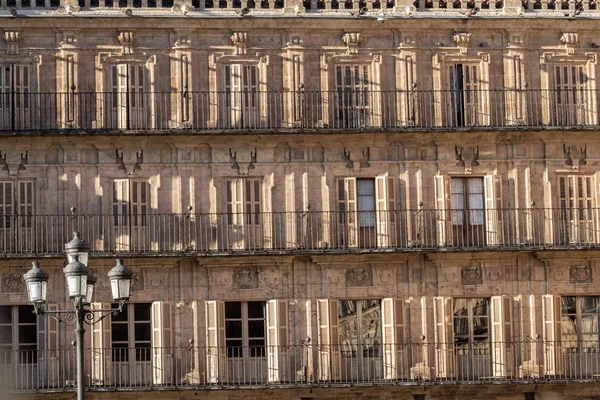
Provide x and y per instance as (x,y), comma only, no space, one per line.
(80,286)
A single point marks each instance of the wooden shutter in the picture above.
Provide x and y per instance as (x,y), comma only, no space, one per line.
(215,340)
(393,316)
(162,343)
(385,193)
(6,96)
(121,214)
(551,314)
(136,93)
(443,336)
(493,212)
(233,86)
(52,348)
(440,207)
(502,343)
(7,217)
(329,339)
(235,214)
(347,212)
(22,102)
(100,348)
(119,83)
(277,341)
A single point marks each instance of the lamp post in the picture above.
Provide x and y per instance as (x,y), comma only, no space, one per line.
(80,286)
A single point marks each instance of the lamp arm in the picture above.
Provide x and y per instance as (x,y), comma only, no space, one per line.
(91,316)
(67,317)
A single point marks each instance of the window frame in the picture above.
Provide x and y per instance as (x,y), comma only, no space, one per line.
(26,351)
(141,348)
(254,351)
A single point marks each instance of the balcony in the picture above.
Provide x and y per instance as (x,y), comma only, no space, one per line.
(301,366)
(302,111)
(302,232)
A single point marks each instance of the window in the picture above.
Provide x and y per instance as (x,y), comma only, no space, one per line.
(360,329)
(352,91)
(131,333)
(472,336)
(16,205)
(366,212)
(571,96)
(580,323)
(242,96)
(15,96)
(467,201)
(245,333)
(18,335)
(464,96)
(131,201)
(129,96)
(243,201)
(576,205)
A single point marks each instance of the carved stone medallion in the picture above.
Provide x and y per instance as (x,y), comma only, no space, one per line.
(471,275)
(245,278)
(359,277)
(12,283)
(580,274)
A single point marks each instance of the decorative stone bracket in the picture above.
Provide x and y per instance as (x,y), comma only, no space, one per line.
(12,42)
(129,162)
(13,161)
(467,157)
(575,156)
(462,40)
(351,40)
(240,43)
(362,162)
(126,40)
(235,165)
(571,41)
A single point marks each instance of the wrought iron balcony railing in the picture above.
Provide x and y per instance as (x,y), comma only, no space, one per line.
(301,365)
(314,231)
(299,111)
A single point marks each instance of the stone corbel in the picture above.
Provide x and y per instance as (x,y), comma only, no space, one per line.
(570,41)
(462,40)
(240,43)
(351,40)
(575,156)
(129,161)
(12,42)
(13,161)
(126,40)
(245,168)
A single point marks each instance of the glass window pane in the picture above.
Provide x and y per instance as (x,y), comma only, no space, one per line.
(569,330)
(27,334)
(568,305)
(480,326)
(233,309)
(142,332)
(460,308)
(256,309)
(5,315)
(122,316)
(5,334)
(141,312)
(589,304)
(119,333)
(481,306)
(233,329)
(256,328)
(26,315)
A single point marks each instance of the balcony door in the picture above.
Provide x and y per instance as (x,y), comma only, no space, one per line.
(244,216)
(464,98)
(571,97)
(576,223)
(472,345)
(129,103)
(19,353)
(352,96)
(15,97)
(242,96)
(131,209)
(579,337)
(16,213)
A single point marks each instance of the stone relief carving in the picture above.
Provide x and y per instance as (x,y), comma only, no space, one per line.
(240,42)
(462,41)
(580,274)
(137,282)
(467,157)
(351,40)
(356,277)
(12,283)
(235,165)
(126,40)
(127,163)
(570,39)
(575,156)
(245,278)
(362,162)
(12,42)
(471,275)
(13,162)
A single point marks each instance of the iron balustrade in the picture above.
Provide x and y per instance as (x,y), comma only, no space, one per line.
(301,365)
(312,231)
(284,111)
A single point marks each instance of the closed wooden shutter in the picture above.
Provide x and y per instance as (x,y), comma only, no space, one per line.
(277,341)
(162,343)
(119,83)
(6,96)
(493,210)
(121,214)
(22,100)
(502,341)
(100,348)
(347,212)
(551,314)
(328,335)
(394,352)
(385,193)
(440,207)
(7,217)
(215,340)
(443,336)
(52,348)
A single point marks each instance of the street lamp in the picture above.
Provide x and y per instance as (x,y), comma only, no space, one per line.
(80,286)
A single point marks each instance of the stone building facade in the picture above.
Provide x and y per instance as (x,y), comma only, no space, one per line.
(318,199)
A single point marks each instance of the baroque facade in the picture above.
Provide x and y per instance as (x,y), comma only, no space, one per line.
(395,200)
